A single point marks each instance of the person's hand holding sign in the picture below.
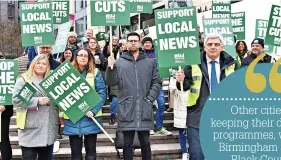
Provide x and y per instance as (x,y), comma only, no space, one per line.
(43,100)
(111,61)
(180,76)
(90,114)
(2,108)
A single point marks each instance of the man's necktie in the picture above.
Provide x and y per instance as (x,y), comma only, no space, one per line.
(214,81)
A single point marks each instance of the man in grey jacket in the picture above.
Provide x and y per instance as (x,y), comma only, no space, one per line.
(139,85)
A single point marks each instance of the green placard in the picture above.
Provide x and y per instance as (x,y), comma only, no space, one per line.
(70,91)
(221,9)
(105,37)
(110,12)
(141,6)
(273,33)
(165,72)
(61,41)
(36,24)
(238,24)
(224,28)
(8,75)
(60,11)
(26,93)
(99,36)
(260,32)
(177,37)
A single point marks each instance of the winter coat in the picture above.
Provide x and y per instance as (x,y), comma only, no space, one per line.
(85,125)
(74,48)
(194,112)
(31,52)
(41,123)
(151,54)
(9,111)
(250,58)
(138,85)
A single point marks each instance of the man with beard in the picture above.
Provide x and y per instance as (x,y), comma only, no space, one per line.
(72,42)
(257,49)
(139,85)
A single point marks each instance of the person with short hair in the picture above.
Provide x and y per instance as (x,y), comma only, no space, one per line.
(138,85)
(47,50)
(215,65)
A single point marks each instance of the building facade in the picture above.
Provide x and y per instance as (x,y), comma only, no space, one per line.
(9,10)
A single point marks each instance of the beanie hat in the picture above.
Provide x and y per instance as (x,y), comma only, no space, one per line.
(146,39)
(72,34)
(258,41)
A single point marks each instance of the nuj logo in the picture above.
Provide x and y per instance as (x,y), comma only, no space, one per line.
(179,58)
(38,39)
(139,7)
(110,16)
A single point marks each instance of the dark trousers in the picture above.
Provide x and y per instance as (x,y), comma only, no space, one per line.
(30,153)
(195,150)
(76,144)
(5,145)
(128,144)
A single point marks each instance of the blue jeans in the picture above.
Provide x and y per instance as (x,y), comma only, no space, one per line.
(113,105)
(160,110)
(51,154)
(195,150)
(183,139)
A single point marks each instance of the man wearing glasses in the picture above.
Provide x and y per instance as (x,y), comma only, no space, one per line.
(139,85)
(46,49)
(201,80)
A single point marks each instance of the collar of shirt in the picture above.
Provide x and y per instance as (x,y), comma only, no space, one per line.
(209,59)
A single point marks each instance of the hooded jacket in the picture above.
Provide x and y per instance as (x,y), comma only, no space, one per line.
(138,85)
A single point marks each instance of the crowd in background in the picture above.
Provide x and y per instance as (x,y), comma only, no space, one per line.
(40,122)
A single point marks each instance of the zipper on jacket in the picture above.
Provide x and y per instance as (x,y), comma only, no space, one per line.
(138,106)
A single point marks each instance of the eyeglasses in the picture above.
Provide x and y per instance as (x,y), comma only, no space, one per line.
(133,41)
(211,44)
(82,56)
(43,48)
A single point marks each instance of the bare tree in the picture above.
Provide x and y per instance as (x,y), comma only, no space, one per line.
(10,39)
